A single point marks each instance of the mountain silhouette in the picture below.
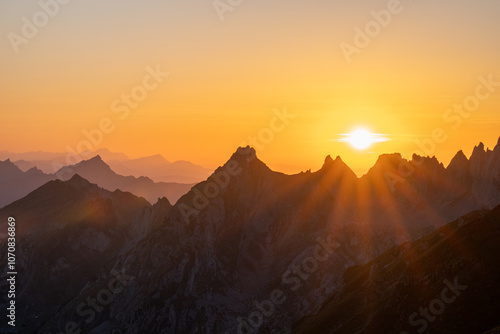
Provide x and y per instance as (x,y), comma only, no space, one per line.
(155,167)
(238,236)
(248,235)
(97,171)
(16,184)
(67,232)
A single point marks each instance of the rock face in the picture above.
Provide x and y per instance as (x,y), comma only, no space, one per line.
(252,250)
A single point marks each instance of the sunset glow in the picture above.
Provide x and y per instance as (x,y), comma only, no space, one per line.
(90,65)
(362,139)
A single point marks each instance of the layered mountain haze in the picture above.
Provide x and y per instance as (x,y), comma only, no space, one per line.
(97,171)
(161,170)
(50,162)
(155,167)
(251,250)
(15,184)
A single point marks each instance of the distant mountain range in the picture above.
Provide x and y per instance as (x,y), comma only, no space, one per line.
(155,167)
(160,170)
(16,183)
(97,171)
(251,250)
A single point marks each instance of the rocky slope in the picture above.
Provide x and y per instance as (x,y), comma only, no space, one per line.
(446,282)
(67,233)
(248,235)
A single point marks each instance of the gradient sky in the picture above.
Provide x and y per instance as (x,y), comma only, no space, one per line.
(226,77)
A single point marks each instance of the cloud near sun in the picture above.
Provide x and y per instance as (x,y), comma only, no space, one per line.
(362,139)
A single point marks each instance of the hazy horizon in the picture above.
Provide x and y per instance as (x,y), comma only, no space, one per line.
(275,167)
(226,78)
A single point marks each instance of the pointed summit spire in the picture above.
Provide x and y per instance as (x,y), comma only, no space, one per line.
(245,158)
(478,150)
(337,166)
(459,164)
(96,158)
(95,162)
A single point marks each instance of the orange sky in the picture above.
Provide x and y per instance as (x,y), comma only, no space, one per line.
(226,78)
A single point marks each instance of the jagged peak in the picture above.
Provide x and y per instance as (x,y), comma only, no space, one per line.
(478,151)
(244,151)
(8,162)
(391,158)
(244,160)
(425,161)
(96,158)
(328,160)
(498,145)
(458,161)
(162,202)
(245,156)
(460,155)
(93,162)
(480,147)
(9,165)
(337,167)
(330,163)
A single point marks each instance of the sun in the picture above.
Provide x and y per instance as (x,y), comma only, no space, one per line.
(362,139)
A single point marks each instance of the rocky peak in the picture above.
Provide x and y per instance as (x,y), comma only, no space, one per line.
(8,165)
(95,161)
(162,203)
(337,166)
(246,159)
(478,150)
(78,182)
(329,162)
(459,162)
